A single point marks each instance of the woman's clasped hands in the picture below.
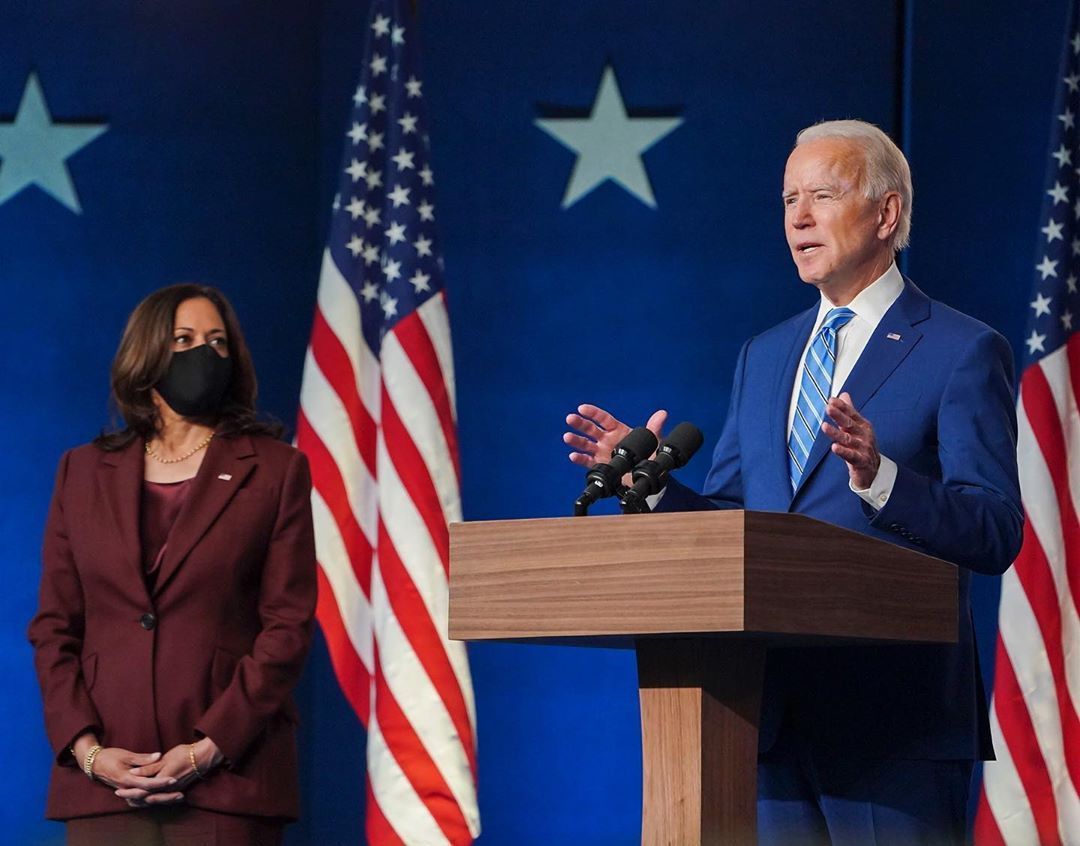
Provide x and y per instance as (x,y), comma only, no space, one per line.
(146,779)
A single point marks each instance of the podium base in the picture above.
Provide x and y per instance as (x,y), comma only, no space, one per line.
(700,707)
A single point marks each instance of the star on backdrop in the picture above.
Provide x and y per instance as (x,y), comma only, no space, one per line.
(34,149)
(609,144)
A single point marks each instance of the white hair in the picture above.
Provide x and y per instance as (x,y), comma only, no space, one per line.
(885,168)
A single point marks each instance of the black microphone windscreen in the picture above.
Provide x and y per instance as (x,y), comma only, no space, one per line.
(640,443)
(687,439)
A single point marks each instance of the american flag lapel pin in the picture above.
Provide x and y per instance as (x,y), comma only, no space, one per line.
(892,336)
(225,477)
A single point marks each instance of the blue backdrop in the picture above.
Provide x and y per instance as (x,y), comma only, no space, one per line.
(218,163)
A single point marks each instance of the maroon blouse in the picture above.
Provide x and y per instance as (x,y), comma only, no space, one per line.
(161,502)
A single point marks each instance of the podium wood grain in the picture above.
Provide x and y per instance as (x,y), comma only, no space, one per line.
(719,571)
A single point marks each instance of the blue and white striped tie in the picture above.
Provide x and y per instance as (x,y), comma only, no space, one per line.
(817,375)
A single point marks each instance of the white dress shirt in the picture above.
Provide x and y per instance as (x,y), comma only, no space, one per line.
(869,306)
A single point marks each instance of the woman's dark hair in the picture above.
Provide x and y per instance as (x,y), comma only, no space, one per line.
(143,357)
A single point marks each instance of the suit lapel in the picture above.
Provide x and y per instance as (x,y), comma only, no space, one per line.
(785,378)
(120,478)
(894,338)
(228,462)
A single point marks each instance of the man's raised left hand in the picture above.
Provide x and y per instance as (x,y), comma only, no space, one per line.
(853,440)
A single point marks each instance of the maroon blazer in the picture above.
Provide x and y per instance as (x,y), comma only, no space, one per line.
(215,649)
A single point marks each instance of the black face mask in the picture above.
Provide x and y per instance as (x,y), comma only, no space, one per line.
(195,381)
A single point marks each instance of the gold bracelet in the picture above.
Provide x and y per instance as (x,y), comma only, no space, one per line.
(191,757)
(88,761)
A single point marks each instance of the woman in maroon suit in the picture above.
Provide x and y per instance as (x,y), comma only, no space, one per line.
(177,596)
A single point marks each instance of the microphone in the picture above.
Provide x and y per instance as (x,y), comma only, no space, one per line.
(605,479)
(651,476)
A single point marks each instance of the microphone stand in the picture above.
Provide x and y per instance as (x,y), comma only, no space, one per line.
(582,503)
(631,502)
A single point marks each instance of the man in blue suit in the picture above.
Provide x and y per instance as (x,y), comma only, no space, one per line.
(886,412)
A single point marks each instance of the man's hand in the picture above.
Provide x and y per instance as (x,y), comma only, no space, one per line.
(853,440)
(597,434)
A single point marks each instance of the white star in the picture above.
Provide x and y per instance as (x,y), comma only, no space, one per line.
(377,103)
(1070,283)
(426,210)
(412,87)
(360,97)
(408,123)
(392,270)
(355,245)
(370,291)
(426,176)
(404,159)
(375,141)
(1035,342)
(420,281)
(377,65)
(609,144)
(1073,81)
(1076,209)
(423,246)
(1076,43)
(336,205)
(381,26)
(1059,192)
(355,208)
(358,132)
(1041,304)
(35,150)
(1076,246)
(400,196)
(372,217)
(389,306)
(373,179)
(1068,118)
(371,254)
(396,233)
(1063,154)
(1052,230)
(398,35)
(1066,321)
(356,170)
(1047,267)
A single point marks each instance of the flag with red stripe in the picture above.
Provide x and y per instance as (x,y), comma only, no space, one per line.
(1031,793)
(377,422)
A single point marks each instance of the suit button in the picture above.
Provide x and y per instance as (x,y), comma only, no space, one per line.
(148,621)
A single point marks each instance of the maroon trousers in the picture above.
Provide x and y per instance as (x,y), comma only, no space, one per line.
(174,826)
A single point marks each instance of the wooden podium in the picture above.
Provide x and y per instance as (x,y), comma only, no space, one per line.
(700,596)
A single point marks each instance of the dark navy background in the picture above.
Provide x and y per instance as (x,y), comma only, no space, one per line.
(219,164)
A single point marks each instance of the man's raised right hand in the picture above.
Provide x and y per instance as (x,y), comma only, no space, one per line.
(596,433)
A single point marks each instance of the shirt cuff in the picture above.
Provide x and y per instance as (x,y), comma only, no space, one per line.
(654,499)
(881,488)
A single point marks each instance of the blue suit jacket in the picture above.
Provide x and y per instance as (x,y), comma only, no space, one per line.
(940,399)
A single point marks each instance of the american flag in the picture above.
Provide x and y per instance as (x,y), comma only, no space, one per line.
(377,422)
(1031,793)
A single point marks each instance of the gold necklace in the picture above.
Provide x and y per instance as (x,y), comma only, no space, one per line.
(183,457)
